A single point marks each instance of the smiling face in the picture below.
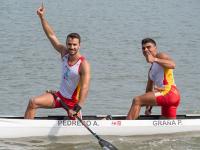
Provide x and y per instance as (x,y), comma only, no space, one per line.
(149,47)
(73,45)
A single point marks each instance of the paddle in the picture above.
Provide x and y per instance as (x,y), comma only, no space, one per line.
(103,143)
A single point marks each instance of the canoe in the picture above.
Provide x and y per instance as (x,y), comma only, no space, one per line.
(17,127)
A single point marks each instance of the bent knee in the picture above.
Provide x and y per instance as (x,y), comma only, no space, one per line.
(32,103)
(137,100)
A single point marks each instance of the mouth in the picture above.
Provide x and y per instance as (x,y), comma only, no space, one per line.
(72,51)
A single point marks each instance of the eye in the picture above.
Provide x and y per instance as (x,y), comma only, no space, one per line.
(148,47)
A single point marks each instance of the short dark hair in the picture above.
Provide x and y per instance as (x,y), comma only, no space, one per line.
(148,40)
(74,35)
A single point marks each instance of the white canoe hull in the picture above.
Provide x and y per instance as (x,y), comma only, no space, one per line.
(16,128)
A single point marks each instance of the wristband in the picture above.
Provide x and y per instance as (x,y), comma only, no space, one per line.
(77,108)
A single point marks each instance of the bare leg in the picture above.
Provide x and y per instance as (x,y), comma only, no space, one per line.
(45,100)
(146,99)
(134,110)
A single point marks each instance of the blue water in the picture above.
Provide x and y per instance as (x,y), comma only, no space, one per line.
(111,34)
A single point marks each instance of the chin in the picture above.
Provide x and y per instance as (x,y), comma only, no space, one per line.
(72,53)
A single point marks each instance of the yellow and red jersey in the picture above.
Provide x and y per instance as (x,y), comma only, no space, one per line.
(162,77)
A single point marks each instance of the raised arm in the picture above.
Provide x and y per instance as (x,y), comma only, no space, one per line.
(50,33)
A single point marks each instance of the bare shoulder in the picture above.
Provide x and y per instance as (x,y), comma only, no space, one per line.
(85,66)
(63,50)
(163,55)
(85,63)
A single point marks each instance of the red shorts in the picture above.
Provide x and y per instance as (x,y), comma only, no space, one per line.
(169,102)
(69,102)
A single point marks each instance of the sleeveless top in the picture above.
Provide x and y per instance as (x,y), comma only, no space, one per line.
(162,77)
(70,80)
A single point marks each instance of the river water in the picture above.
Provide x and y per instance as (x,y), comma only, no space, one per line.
(111,33)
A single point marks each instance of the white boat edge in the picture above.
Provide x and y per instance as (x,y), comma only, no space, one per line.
(17,127)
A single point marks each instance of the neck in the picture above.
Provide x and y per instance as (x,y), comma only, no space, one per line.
(73,58)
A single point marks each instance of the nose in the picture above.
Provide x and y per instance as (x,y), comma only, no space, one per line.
(145,50)
(71,46)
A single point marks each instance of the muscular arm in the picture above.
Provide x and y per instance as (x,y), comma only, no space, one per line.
(50,33)
(149,86)
(165,61)
(85,81)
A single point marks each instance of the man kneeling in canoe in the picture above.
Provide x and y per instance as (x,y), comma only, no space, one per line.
(75,75)
(161,89)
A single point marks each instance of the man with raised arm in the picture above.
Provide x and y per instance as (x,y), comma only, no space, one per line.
(161,89)
(75,75)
